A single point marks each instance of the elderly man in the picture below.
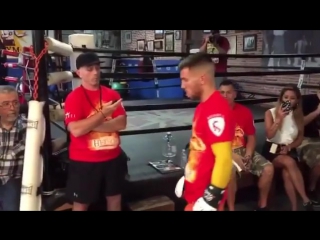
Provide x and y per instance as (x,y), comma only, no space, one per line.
(12,134)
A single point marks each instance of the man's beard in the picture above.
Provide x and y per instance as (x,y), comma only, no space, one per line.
(12,118)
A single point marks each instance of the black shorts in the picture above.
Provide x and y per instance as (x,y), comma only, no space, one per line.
(87,182)
(271,156)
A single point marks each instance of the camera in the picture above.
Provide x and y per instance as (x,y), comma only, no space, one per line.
(213,38)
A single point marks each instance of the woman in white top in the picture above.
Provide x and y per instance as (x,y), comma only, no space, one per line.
(284,131)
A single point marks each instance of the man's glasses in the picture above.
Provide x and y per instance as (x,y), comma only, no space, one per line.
(9,104)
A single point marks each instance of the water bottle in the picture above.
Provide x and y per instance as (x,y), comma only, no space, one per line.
(169,149)
(183,158)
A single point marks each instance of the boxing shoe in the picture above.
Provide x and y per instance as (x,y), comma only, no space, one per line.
(201,205)
(179,187)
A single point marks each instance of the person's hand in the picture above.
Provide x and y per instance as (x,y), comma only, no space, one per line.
(110,107)
(247,161)
(282,113)
(239,160)
(284,150)
(206,39)
(202,205)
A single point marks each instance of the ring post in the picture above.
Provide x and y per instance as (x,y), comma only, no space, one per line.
(38,41)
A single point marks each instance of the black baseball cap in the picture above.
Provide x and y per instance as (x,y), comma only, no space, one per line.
(87,59)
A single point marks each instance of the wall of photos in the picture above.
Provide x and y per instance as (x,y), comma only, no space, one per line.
(241,41)
(153,40)
(252,42)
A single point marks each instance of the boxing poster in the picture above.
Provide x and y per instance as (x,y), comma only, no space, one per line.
(290,42)
(15,40)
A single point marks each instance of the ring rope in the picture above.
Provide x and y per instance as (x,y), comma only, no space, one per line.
(176,54)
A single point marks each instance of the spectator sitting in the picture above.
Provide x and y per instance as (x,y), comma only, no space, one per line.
(284,130)
(310,148)
(12,133)
(244,154)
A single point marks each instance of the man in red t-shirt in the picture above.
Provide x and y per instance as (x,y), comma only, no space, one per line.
(217,44)
(244,155)
(94,114)
(209,166)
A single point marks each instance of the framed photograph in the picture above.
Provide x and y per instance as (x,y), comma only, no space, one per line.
(250,43)
(169,42)
(140,45)
(158,34)
(158,45)
(150,45)
(128,37)
(177,35)
(223,31)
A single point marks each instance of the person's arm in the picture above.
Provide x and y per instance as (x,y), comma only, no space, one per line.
(297,142)
(75,121)
(224,47)
(203,47)
(118,121)
(311,116)
(270,125)
(219,134)
(250,131)
(114,125)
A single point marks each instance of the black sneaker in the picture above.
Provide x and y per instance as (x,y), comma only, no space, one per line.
(308,206)
(314,198)
(264,209)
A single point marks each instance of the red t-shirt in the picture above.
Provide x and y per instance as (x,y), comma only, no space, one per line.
(244,125)
(212,123)
(221,62)
(94,146)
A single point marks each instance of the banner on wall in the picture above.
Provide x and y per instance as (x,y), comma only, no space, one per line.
(290,42)
(15,40)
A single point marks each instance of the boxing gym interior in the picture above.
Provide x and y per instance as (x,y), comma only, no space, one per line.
(142,66)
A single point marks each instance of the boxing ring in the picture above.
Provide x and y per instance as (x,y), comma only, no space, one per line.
(171,115)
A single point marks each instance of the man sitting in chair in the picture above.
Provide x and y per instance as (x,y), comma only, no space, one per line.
(244,155)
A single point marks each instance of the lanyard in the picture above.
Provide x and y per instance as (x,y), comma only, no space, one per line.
(90,102)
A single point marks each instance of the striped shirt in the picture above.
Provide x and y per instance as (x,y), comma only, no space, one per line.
(12,150)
